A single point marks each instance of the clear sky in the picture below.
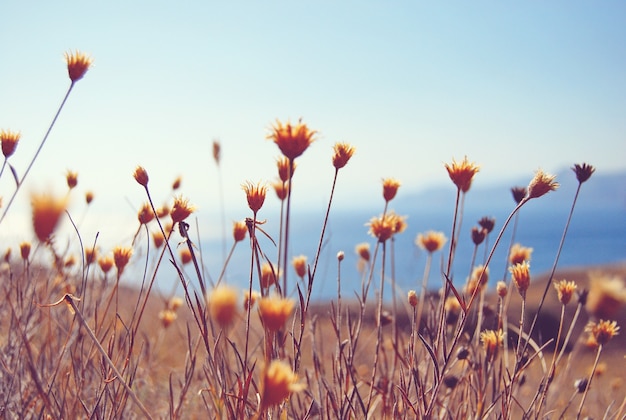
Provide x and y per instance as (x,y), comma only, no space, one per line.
(513,85)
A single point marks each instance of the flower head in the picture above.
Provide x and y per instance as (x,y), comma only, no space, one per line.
(158,239)
(91,254)
(478,235)
(478,279)
(390,188)
(223,305)
(285,173)
(185,255)
(88,197)
(255,194)
(462,173)
(217,152)
(602,331)
(519,254)
(292,140)
(431,241)
(300,265)
(47,211)
(278,382)
(9,141)
(176,183)
(521,277)
(487,223)
(121,256)
(492,341)
(239,230)
(269,274)
(141,176)
(385,226)
(518,194)
(145,214)
(25,250)
(342,154)
(281,189)
(542,183)
(167,317)
(72,179)
(607,295)
(77,64)
(412,298)
(501,289)
(583,172)
(363,250)
(106,263)
(181,209)
(565,289)
(274,311)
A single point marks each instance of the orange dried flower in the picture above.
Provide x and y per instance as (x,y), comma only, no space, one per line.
(47,211)
(583,172)
(390,188)
(106,263)
(88,197)
(121,256)
(255,194)
(385,226)
(603,331)
(431,241)
(167,317)
(9,141)
(145,214)
(181,209)
(250,300)
(492,341)
(292,140)
(70,261)
(283,169)
(239,230)
(223,305)
(565,290)
(175,302)
(176,183)
(158,239)
(185,255)
(519,254)
(25,250)
(478,279)
(542,183)
(269,274)
(71,178)
(501,289)
(77,64)
(278,382)
(274,311)
(163,211)
(217,151)
(91,254)
(281,189)
(607,295)
(342,154)
(521,277)
(299,264)
(462,173)
(363,250)
(141,176)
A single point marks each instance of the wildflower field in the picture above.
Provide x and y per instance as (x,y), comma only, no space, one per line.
(80,343)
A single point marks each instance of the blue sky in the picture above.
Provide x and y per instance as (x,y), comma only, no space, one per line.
(514,86)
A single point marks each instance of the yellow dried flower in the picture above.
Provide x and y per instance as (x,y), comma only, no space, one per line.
(521,277)
(71,178)
(278,382)
(385,226)
(342,154)
(145,214)
(77,64)
(47,211)
(121,256)
(274,311)
(283,169)
(412,297)
(7,255)
(462,173)
(141,176)
(519,254)
(501,289)
(250,300)
(269,274)
(292,140)
(175,302)
(607,295)
(602,331)
(452,309)
(167,317)
(299,264)
(9,141)
(181,209)
(255,194)
(492,341)
(91,254)
(390,188)
(363,250)
(541,184)
(478,279)
(565,290)
(431,241)
(163,211)
(223,305)
(239,230)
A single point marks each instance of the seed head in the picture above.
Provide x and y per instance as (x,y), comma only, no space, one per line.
(88,197)
(462,173)
(519,254)
(47,211)
(274,311)
(278,383)
(583,172)
(292,140)
(72,179)
(565,290)
(431,241)
(390,188)
(521,277)
(9,141)
(541,184)
(518,194)
(239,230)
(255,194)
(121,256)
(340,255)
(77,64)
(342,154)
(602,331)
(181,209)
(299,264)
(412,297)
(141,176)
(223,305)
(363,250)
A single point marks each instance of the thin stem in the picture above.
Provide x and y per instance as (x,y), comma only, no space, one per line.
(593,371)
(379,327)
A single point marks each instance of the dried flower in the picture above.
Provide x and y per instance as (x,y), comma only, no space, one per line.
(565,289)
(25,250)
(217,152)
(478,235)
(163,211)
(541,184)
(342,154)
(518,194)
(299,264)
(431,241)
(521,277)
(478,279)
(501,289)
(292,140)
(462,173)
(607,295)
(249,300)
(176,183)
(255,194)
(7,256)
(487,223)
(91,255)
(141,176)
(274,311)
(363,250)
(88,197)
(278,382)
(284,172)
(492,341)
(269,274)
(452,309)
(602,331)
(223,305)
(412,297)
(583,172)
(72,179)
(167,317)
(121,256)
(9,141)
(175,302)
(239,230)
(390,188)
(145,214)
(281,189)
(340,255)
(385,226)
(77,64)
(519,254)
(185,255)
(158,239)
(181,209)
(47,211)
(106,263)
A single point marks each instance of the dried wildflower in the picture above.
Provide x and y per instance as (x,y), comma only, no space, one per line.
(223,305)
(487,223)
(292,140)
(269,274)
(478,279)
(278,382)
(602,331)
(121,256)
(501,289)
(91,254)
(185,255)
(541,184)
(175,302)
(70,261)
(492,341)
(274,311)
(363,251)
(399,223)
(521,277)
(141,176)
(239,230)
(181,209)
(390,188)
(176,183)
(163,211)
(250,299)
(478,235)
(281,189)
(88,197)
(106,263)
(167,317)
(452,309)
(518,194)
(217,152)
(565,289)
(282,163)
(385,226)
(431,241)
(342,154)
(25,250)
(77,64)
(72,179)
(9,141)
(340,255)
(145,214)
(255,194)
(519,254)
(412,297)
(462,173)
(47,211)
(607,295)
(299,264)
(158,239)
(583,172)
